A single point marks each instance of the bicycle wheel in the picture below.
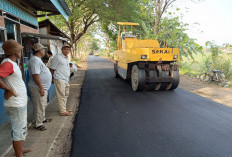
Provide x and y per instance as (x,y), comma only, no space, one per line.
(204,77)
(221,79)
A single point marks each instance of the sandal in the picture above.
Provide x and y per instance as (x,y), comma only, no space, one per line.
(47,120)
(66,114)
(41,128)
(69,110)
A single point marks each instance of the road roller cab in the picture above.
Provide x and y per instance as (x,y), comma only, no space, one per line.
(144,63)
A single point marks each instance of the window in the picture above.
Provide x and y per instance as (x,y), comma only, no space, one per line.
(2,40)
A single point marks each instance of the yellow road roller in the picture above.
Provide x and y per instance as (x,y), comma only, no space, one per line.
(96,53)
(144,62)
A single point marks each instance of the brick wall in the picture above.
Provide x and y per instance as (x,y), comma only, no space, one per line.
(27,29)
(2,24)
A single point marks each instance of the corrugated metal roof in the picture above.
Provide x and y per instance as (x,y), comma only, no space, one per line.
(43,36)
(47,22)
(48,6)
(65,6)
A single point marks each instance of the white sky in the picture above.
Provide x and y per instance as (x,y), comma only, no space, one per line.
(214,18)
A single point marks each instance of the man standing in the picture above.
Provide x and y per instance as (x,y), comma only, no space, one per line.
(123,32)
(15,94)
(50,56)
(61,72)
(39,84)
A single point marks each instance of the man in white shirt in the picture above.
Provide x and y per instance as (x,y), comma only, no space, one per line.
(39,84)
(15,95)
(61,72)
(50,56)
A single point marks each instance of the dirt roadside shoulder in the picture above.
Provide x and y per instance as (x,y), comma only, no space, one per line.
(210,91)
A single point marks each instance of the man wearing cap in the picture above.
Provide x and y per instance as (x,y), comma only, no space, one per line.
(39,84)
(61,72)
(15,96)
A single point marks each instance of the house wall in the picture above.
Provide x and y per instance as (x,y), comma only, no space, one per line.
(27,29)
(44,42)
(55,46)
(16,10)
(2,24)
(43,30)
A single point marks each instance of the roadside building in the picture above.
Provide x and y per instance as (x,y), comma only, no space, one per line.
(46,27)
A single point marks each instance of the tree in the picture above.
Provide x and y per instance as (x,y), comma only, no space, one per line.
(214,49)
(172,34)
(160,7)
(125,11)
(170,31)
(227,45)
(84,45)
(94,45)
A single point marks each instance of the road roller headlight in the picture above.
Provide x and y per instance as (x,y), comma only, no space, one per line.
(175,57)
(143,56)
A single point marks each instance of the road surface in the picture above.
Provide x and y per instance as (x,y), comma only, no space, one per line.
(114,121)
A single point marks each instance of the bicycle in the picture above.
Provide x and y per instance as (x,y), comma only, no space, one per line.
(214,75)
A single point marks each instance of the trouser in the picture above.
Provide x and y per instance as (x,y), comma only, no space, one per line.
(39,105)
(62,92)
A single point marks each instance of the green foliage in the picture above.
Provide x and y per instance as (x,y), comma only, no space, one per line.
(124,11)
(217,60)
(147,19)
(226,66)
(227,45)
(186,68)
(222,64)
(214,49)
(84,45)
(94,45)
(172,34)
(75,60)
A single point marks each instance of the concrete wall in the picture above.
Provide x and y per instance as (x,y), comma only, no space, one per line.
(44,42)
(43,30)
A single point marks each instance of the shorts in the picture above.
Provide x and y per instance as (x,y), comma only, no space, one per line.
(18,119)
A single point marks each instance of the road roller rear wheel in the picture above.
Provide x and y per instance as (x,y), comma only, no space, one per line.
(151,86)
(157,86)
(164,85)
(137,78)
(116,70)
(176,79)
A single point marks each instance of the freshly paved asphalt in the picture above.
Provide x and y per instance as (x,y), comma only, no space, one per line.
(114,121)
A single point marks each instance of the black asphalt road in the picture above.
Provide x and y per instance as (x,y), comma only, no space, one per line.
(114,121)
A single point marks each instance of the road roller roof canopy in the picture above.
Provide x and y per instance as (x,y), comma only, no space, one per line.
(128,23)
